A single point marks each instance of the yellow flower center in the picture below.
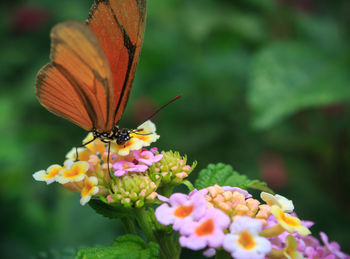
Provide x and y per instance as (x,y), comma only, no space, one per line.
(143,138)
(246,241)
(53,172)
(87,189)
(75,170)
(183,211)
(291,221)
(206,228)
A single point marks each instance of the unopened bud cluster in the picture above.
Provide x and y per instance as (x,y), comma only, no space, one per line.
(132,191)
(172,169)
(236,202)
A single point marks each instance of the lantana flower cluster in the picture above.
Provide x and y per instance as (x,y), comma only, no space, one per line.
(135,171)
(228,218)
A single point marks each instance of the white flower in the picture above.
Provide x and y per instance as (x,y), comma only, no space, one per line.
(49,175)
(282,202)
(244,240)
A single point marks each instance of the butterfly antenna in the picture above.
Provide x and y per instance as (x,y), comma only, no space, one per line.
(161,108)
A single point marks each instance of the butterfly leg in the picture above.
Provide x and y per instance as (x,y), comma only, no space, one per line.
(83,145)
(108,153)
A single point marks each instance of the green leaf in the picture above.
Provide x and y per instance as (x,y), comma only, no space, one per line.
(109,211)
(127,246)
(189,185)
(224,175)
(259,185)
(288,77)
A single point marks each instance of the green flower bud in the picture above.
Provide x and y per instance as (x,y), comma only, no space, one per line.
(171,169)
(133,190)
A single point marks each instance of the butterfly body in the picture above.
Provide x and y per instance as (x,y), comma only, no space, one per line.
(120,136)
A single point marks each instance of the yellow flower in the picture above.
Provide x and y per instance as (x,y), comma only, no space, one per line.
(290,251)
(96,146)
(72,172)
(47,176)
(90,189)
(124,150)
(146,132)
(288,222)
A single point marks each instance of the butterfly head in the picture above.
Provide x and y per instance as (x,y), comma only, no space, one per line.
(122,136)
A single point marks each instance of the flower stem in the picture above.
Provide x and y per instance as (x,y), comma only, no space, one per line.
(145,223)
(128,225)
(169,249)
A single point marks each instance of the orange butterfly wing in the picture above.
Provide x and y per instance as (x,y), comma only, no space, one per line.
(119,27)
(77,83)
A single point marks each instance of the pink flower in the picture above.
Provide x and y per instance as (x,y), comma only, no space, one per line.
(146,157)
(333,247)
(122,167)
(208,231)
(154,150)
(182,208)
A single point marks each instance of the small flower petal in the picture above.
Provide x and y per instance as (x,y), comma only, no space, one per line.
(288,222)
(122,167)
(146,157)
(47,176)
(282,202)
(146,133)
(90,189)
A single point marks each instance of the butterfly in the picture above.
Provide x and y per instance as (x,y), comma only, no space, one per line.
(92,68)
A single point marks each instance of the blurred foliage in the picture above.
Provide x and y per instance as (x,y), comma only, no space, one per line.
(265,89)
(126,246)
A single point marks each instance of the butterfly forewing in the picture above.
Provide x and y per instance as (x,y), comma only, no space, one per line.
(77,84)
(119,27)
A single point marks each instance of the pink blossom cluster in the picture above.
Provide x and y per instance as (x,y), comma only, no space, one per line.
(136,161)
(205,222)
(202,226)
(198,225)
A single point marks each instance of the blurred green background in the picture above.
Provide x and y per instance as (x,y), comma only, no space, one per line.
(266,88)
